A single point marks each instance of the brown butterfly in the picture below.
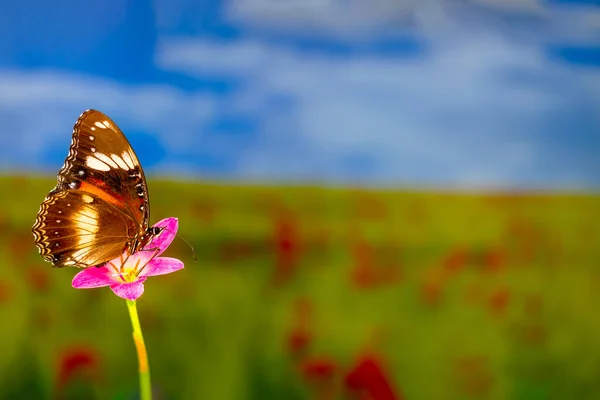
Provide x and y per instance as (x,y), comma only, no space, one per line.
(100,206)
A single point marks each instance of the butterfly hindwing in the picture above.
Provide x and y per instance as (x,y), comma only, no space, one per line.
(76,228)
(100,205)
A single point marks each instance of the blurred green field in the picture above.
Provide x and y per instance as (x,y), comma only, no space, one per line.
(296,289)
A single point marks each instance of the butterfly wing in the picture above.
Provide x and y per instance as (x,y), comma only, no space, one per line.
(77,228)
(102,161)
(100,204)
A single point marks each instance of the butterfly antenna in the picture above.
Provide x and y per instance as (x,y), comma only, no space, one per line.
(188,243)
(191,247)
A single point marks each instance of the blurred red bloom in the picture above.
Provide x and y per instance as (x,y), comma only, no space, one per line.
(368,378)
(6,292)
(38,279)
(318,369)
(321,374)
(298,340)
(473,376)
(300,335)
(371,270)
(77,362)
(533,333)
(287,248)
(203,210)
(499,300)
(19,244)
(494,260)
(363,273)
(456,260)
(432,286)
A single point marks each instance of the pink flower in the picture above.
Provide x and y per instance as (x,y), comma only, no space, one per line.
(126,274)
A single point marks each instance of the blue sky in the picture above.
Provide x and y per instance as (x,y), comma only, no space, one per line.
(475,94)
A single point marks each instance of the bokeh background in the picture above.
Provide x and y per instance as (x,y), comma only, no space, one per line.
(389,199)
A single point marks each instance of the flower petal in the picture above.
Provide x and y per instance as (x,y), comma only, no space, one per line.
(164,239)
(138,258)
(129,291)
(162,266)
(93,277)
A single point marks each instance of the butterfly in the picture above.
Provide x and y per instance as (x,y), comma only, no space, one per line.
(100,206)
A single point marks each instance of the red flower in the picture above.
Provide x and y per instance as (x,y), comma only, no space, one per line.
(473,376)
(6,292)
(494,260)
(298,340)
(318,369)
(499,300)
(432,286)
(77,362)
(456,260)
(368,377)
(287,248)
(321,373)
(300,334)
(37,279)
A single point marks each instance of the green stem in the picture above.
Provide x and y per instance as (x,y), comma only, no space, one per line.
(138,339)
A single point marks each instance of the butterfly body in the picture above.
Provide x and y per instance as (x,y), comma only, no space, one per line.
(100,206)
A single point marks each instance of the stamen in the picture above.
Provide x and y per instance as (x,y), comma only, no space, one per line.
(114,267)
(117,270)
(123,261)
(150,259)
(135,268)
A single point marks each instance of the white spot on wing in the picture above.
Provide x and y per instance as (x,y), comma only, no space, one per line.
(86,198)
(107,160)
(96,164)
(87,215)
(119,161)
(128,159)
(77,255)
(99,125)
(86,223)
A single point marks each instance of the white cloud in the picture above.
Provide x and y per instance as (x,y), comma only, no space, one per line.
(339,18)
(472,110)
(38,109)
(195,57)
(455,115)
(534,6)
(363,19)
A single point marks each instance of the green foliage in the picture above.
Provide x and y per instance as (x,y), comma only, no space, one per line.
(457,297)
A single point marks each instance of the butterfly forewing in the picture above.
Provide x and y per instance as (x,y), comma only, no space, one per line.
(99,207)
(102,161)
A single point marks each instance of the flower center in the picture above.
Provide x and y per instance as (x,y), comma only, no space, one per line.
(128,271)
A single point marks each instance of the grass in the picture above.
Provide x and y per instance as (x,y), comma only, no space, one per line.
(455,296)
